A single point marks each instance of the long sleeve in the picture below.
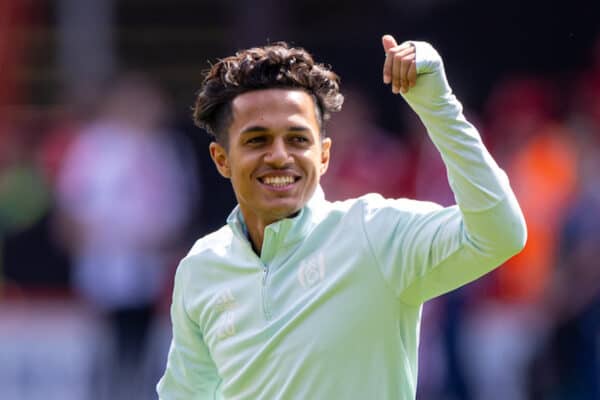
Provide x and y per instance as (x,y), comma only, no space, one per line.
(190,372)
(422,249)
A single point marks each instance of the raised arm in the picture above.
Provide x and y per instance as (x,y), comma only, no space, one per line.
(441,249)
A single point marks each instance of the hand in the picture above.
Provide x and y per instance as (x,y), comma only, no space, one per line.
(400,67)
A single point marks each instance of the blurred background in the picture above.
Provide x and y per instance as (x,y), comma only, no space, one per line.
(105,183)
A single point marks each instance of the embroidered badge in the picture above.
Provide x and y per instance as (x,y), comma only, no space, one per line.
(311,271)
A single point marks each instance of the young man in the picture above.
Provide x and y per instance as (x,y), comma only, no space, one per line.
(300,298)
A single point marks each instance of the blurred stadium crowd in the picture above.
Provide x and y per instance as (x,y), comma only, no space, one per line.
(101,195)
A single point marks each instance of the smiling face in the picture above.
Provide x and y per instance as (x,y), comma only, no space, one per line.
(275,155)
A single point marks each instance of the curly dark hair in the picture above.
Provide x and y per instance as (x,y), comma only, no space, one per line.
(275,65)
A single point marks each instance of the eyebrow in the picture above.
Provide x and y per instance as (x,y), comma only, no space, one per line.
(258,128)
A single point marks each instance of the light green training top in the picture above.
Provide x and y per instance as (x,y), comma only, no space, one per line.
(332,307)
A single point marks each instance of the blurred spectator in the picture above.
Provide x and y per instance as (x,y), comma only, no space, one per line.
(544,174)
(568,364)
(56,142)
(506,321)
(30,256)
(125,192)
(24,195)
(14,17)
(540,156)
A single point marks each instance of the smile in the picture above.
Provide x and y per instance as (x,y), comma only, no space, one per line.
(278,181)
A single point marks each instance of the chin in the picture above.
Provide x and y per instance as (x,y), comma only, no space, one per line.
(284,211)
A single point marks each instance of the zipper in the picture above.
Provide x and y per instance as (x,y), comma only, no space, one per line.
(265,303)
(265,274)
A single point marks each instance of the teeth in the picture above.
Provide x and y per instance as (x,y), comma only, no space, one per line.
(278,180)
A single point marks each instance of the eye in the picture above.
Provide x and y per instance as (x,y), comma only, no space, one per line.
(299,139)
(256,140)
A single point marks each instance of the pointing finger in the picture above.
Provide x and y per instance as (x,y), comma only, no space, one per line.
(388,42)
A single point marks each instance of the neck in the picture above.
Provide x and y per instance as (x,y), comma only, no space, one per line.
(256,234)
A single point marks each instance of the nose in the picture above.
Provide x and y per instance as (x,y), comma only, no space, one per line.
(277,154)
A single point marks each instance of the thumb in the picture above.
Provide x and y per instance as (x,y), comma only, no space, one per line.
(388,42)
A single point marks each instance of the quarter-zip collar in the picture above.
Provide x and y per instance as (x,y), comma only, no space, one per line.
(284,232)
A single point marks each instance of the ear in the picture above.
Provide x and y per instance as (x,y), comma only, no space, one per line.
(325,148)
(219,157)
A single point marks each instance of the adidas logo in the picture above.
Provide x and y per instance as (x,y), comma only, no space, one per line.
(225,300)
(225,305)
